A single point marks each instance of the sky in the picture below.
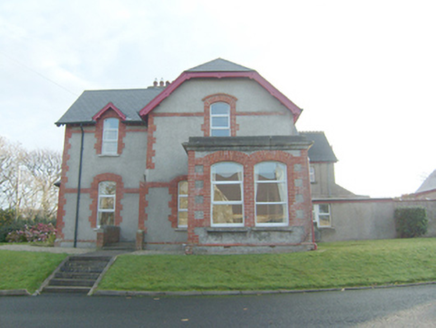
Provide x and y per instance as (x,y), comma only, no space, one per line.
(364,72)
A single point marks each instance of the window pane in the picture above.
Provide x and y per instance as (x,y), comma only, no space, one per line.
(107,203)
(220,133)
(183,202)
(106,218)
(183,187)
(270,192)
(107,188)
(109,147)
(324,209)
(183,218)
(230,214)
(324,220)
(270,171)
(273,213)
(219,108)
(111,123)
(227,192)
(227,172)
(219,121)
(110,135)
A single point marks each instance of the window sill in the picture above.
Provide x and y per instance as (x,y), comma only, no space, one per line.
(108,155)
(181,229)
(331,228)
(247,229)
(227,229)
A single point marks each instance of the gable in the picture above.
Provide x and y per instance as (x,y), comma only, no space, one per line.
(220,69)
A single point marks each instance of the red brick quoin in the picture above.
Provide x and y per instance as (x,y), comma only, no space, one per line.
(248,162)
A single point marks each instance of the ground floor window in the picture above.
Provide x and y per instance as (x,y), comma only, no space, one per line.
(182,212)
(321,215)
(227,194)
(271,195)
(106,203)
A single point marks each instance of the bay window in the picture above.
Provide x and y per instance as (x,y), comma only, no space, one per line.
(271,196)
(227,194)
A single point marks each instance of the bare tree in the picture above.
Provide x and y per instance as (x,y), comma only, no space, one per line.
(27,179)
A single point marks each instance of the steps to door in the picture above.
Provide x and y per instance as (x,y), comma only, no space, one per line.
(77,275)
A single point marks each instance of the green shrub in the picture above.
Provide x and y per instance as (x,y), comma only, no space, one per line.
(20,224)
(411,222)
(6,216)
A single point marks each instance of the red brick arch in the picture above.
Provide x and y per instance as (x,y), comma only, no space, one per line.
(219,97)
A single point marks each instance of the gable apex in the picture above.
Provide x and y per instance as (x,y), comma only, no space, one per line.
(220,65)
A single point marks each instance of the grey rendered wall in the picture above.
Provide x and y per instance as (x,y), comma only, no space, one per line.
(130,165)
(360,220)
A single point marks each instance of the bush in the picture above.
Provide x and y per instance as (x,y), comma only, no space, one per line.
(411,222)
(6,216)
(43,233)
(20,224)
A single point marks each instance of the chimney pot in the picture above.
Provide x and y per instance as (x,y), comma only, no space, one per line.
(167,83)
(155,83)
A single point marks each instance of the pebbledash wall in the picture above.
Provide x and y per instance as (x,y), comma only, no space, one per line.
(360,219)
(152,160)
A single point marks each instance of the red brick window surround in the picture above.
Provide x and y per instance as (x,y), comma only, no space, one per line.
(218,102)
(94,195)
(101,134)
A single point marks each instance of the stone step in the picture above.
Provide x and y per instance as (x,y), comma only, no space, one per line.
(62,289)
(122,246)
(77,275)
(71,282)
(89,258)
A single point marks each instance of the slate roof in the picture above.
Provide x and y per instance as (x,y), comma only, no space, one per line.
(321,151)
(129,102)
(220,65)
(429,183)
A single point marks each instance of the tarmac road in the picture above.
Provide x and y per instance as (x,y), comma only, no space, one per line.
(386,307)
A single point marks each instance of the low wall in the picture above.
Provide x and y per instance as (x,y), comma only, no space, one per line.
(361,219)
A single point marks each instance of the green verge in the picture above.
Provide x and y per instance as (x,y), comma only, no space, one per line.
(26,270)
(340,264)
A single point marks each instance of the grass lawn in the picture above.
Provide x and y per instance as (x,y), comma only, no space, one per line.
(26,270)
(340,264)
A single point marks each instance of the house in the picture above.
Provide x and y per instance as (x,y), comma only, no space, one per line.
(210,163)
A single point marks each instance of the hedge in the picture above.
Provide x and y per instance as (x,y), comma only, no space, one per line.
(411,222)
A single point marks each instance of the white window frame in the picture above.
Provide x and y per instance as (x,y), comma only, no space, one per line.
(179,196)
(212,202)
(316,215)
(285,181)
(108,141)
(219,115)
(105,210)
(312,176)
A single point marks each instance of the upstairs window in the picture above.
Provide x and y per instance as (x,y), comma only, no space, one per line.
(182,212)
(219,119)
(106,203)
(312,174)
(271,194)
(227,194)
(110,136)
